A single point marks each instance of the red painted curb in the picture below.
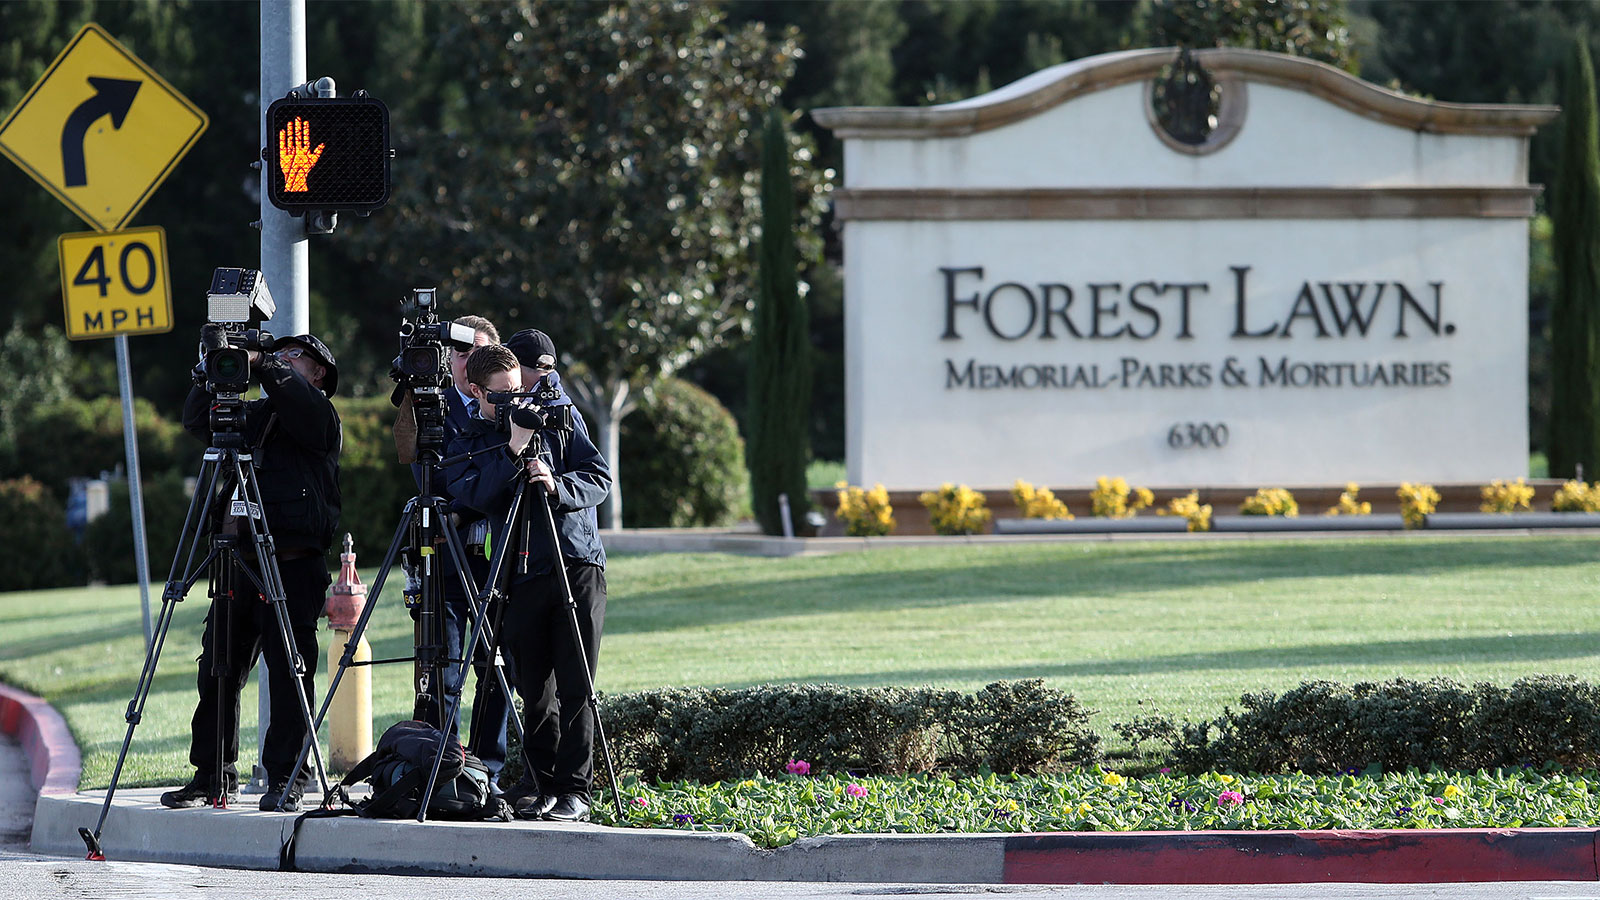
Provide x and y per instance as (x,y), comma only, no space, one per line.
(45,739)
(1291,857)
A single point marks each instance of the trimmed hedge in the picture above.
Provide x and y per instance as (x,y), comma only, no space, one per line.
(709,734)
(82,438)
(373,485)
(108,540)
(682,459)
(33,529)
(1324,727)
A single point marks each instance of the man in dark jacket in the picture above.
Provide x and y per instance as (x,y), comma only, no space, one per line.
(551,673)
(294,438)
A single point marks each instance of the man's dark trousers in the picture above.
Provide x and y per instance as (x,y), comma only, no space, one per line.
(253,629)
(550,673)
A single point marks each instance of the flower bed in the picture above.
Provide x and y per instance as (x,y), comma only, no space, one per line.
(779,810)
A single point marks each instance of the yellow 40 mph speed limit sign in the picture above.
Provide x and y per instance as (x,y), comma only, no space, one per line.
(115,283)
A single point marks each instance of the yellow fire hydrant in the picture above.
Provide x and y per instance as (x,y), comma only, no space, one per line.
(350,714)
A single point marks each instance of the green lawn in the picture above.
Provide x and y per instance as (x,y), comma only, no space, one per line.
(1187,624)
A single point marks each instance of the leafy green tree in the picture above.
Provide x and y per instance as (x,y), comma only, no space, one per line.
(780,358)
(589,169)
(1575,316)
(1316,29)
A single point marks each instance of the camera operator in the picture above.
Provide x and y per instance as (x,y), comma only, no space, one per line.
(536,629)
(295,438)
(489,707)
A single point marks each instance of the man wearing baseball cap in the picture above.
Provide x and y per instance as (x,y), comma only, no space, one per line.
(295,438)
(557,725)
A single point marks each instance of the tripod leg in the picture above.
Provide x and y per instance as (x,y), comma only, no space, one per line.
(577,637)
(171,595)
(494,586)
(478,625)
(222,610)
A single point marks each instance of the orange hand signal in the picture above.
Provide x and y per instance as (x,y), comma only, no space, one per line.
(295,156)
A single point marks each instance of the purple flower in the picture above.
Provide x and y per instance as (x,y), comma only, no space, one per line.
(798,767)
(1352,771)
(1165,770)
(1180,803)
(1402,811)
(682,819)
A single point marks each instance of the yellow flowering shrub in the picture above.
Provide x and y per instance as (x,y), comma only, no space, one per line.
(1576,496)
(1506,496)
(1038,503)
(864,513)
(1416,502)
(1349,505)
(955,509)
(1270,502)
(1190,507)
(1113,500)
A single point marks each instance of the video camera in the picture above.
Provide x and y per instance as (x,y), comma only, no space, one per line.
(237,302)
(423,368)
(541,409)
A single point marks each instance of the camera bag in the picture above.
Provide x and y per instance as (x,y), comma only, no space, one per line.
(397,769)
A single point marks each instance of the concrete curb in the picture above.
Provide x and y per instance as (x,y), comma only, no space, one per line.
(140,829)
(52,754)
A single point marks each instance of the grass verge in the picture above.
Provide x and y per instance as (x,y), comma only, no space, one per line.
(1180,626)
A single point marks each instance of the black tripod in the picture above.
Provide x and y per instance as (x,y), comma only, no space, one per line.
(227,456)
(515,516)
(423,522)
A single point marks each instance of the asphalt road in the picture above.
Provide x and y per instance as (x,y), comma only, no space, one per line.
(26,876)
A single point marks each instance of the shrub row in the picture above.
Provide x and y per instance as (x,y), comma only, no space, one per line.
(1323,727)
(710,734)
(1026,727)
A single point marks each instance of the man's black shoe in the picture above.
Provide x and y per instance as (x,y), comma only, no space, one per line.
(570,808)
(534,806)
(198,793)
(281,791)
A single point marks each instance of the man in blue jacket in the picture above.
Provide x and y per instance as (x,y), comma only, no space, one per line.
(570,473)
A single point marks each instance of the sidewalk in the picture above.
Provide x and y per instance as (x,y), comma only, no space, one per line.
(140,829)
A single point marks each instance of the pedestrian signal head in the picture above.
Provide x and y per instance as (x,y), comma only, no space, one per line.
(327,154)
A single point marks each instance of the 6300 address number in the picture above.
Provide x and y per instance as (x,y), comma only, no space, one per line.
(1197,435)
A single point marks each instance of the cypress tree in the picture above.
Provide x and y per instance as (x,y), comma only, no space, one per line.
(780,352)
(1574,319)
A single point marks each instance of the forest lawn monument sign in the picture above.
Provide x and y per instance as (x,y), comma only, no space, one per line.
(1326,283)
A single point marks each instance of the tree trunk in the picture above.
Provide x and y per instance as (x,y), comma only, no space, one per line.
(606,404)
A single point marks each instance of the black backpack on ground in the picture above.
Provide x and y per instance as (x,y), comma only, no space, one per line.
(400,765)
(397,770)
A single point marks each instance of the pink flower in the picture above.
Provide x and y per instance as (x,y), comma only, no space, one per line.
(1165,770)
(798,767)
(1230,798)
(855,790)
(1439,800)
(640,801)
